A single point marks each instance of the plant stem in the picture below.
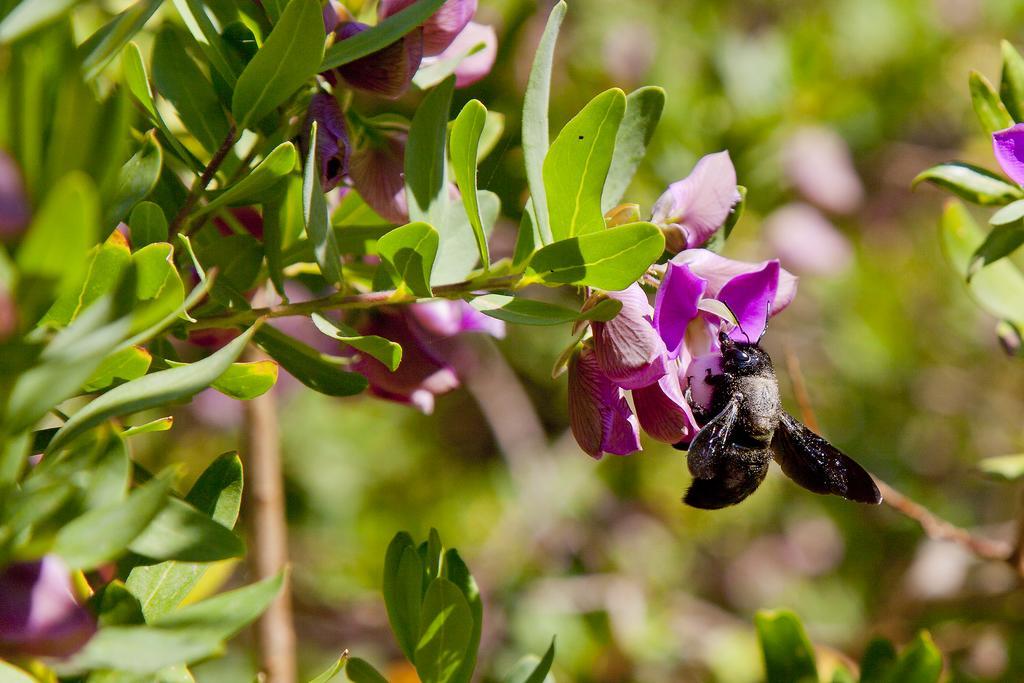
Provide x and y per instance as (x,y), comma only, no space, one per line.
(934,526)
(202,181)
(347,301)
(268,532)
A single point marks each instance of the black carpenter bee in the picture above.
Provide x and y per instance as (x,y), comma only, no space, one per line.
(729,456)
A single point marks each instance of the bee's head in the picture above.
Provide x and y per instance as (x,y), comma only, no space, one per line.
(743,358)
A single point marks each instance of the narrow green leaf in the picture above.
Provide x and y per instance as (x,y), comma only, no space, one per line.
(878,662)
(531,669)
(162,424)
(611,259)
(990,110)
(446,626)
(103,533)
(410,250)
(920,662)
(359,671)
(522,311)
(426,187)
(159,291)
(317,371)
(1003,467)
(12,674)
(179,80)
(386,351)
(535,121)
(243,381)
(456,571)
(237,259)
(148,224)
(199,24)
(31,15)
(104,267)
(999,288)
(1011,85)
(180,532)
(120,366)
(218,494)
(403,593)
(381,35)
(252,188)
(137,179)
(465,146)
(458,254)
(153,390)
(314,212)
(1002,241)
(788,654)
(283,221)
(289,57)
(643,111)
(333,670)
(971,183)
(133,69)
(99,48)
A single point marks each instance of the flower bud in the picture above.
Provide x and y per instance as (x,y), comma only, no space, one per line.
(691,210)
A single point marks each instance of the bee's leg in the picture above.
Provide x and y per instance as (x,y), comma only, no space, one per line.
(737,476)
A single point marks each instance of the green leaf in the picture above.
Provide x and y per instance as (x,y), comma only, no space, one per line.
(999,288)
(243,381)
(535,121)
(134,71)
(103,270)
(878,662)
(1011,85)
(289,57)
(643,111)
(430,552)
(316,370)
(920,662)
(31,15)
(522,311)
(189,634)
(12,674)
(577,164)
(446,626)
(1003,467)
(736,213)
(162,424)
(179,80)
(990,110)
(359,671)
(410,250)
(788,654)
(333,670)
(611,259)
(841,675)
(237,259)
(314,213)
(153,390)
(403,592)
(531,669)
(103,533)
(283,221)
(218,494)
(1002,241)
(97,51)
(159,291)
(971,183)
(252,188)
(180,532)
(458,254)
(465,146)
(62,232)
(386,351)
(148,224)
(120,366)
(137,179)
(199,24)
(381,35)
(457,572)
(426,187)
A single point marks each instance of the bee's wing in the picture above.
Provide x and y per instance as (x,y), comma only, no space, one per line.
(711,443)
(818,466)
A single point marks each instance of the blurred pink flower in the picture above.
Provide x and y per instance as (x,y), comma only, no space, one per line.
(806,240)
(14,208)
(818,163)
(475,66)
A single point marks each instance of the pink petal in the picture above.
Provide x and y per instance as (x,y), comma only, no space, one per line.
(699,204)
(477,65)
(749,296)
(440,29)
(1008,146)
(818,163)
(663,412)
(628,348)
(377,171)
(702,393)
(447,318)
(675,305)
(807,241)
(718,270)
(599,415)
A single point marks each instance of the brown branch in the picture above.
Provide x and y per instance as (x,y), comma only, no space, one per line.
(203,181)
(268,533)
(934,526)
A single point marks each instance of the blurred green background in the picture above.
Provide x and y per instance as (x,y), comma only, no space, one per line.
(903,371)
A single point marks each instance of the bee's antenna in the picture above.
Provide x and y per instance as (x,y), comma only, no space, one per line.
(767,314)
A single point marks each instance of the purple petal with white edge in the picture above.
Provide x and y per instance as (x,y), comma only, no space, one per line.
(702,367)
(695,207)
(628,348)
(1008,146)
(599,415)
(440,29)
(477,65)
(663,411)
(39,614)
(718,270)
(749,296)
(675,305)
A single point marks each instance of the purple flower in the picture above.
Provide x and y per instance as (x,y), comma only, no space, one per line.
(445,318)
(818,163)
(14,210)
(675,305)
(332,145)
(599,415)
(1008,146)
(377,171)
(663,411)
(473,66)
(39,615)
(692,209)
(386,72)
(629,350)
(719,270)
(807,241)
(440,29)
